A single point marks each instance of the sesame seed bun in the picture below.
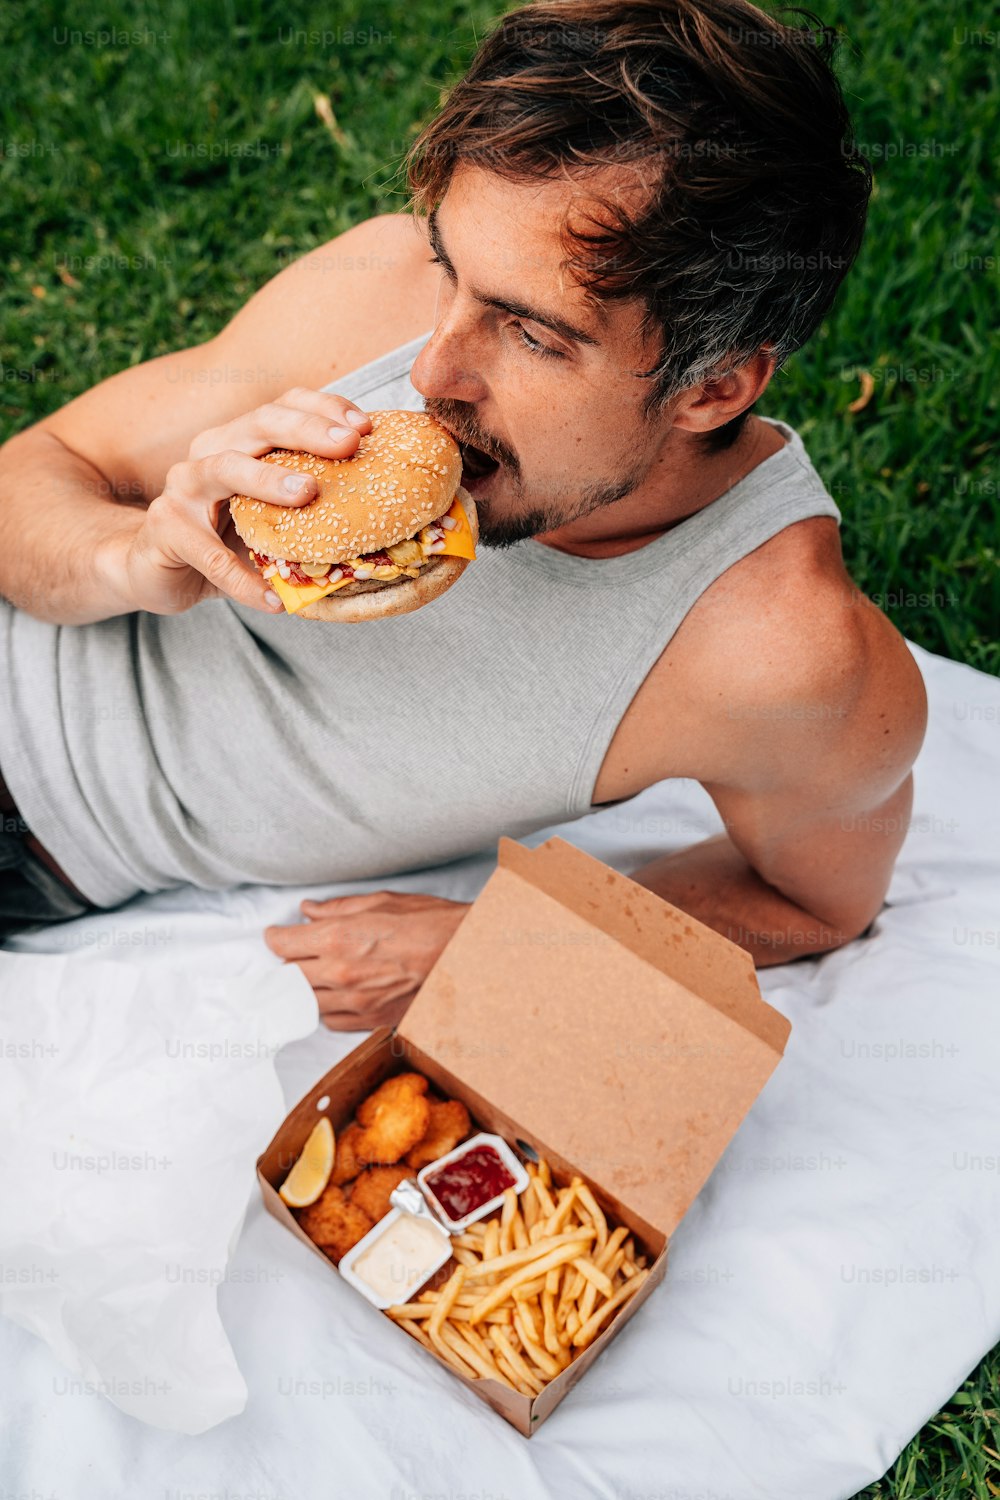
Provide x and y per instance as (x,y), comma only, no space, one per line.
(404,474)
(379,599)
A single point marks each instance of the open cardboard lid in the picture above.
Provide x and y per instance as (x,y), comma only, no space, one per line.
(607,1023)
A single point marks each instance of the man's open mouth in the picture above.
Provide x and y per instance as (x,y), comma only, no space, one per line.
(475,463)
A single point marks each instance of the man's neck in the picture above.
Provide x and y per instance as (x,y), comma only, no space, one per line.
(635,521)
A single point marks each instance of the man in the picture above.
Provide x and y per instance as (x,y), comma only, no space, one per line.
(637,211)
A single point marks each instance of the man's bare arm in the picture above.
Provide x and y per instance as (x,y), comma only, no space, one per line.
(70,555)
(816,805)
(717,883)
(71,552)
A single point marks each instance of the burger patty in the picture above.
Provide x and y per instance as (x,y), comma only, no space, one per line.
(369,585)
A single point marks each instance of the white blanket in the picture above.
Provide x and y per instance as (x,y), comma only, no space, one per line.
(832,1286)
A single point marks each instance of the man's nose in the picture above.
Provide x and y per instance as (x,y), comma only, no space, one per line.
(445,369)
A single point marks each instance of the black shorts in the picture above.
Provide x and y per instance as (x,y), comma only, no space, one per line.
(30,895)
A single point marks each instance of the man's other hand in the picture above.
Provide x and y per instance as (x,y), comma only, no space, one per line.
(367,955)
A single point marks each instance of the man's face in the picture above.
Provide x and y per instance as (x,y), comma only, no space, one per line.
(562,419)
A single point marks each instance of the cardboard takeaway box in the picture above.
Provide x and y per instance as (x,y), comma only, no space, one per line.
(586,1020)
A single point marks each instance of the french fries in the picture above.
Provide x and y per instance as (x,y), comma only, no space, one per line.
(445,1302)
(532,1287)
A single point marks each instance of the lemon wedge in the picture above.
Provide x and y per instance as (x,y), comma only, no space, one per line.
(311,1172)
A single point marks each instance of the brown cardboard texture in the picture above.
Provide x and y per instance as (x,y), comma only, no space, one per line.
(615,1030)
(578,1015)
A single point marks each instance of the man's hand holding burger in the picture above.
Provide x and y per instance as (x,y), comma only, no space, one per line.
(72,551)
(390,529)
(385,523)
(367,955)
(185,548)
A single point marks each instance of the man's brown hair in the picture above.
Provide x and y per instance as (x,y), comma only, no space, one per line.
(754,195)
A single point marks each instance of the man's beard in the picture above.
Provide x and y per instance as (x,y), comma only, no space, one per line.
(505,531)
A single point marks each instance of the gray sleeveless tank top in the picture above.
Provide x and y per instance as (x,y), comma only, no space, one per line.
(223,746)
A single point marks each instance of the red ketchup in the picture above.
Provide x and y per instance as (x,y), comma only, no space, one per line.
(466,1183)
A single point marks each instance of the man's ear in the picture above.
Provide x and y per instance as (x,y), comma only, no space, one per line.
(713,403)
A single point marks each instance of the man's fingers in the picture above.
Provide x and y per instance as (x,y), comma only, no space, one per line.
(299,420)
(342,1020)
(339,1014)
(232,579)
(328,974)
(215,478)
(180,533)
(200,548)
(323,404)
(184,530)
(292,942)
(342,906)
(332,997)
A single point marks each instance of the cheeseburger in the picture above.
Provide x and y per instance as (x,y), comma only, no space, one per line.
(390,529)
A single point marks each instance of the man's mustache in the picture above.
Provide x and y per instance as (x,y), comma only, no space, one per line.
(466,430)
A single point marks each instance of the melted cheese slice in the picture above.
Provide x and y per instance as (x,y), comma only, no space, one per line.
(457,543)
(295,596)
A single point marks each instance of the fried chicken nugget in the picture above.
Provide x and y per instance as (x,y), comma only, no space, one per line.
(449,1124)
(372,1189)
(334,1223)
(346,1163)
(395,1117)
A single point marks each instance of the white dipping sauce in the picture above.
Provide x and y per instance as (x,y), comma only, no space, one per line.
(401,1258)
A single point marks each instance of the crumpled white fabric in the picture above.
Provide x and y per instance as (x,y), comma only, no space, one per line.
(134,1105)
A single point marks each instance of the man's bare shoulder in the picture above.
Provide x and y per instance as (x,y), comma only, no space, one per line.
(787,669)
(329,312)
(344,303)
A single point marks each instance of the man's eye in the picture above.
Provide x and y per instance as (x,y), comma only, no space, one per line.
(533,344)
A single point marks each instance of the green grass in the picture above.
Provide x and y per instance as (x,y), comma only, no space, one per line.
(915,472)
(148,187)
(957,1455)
